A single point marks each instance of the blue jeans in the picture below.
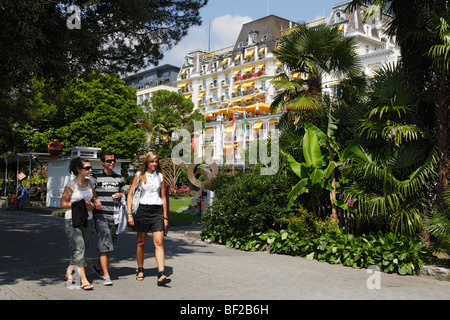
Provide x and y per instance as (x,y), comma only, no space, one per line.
(78,241)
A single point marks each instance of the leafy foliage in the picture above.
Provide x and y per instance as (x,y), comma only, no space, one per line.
(390,252)
(439,223)
(391,162)
(312,173)
(114,37)
(169,110)
(315,52)
(90,110)
(246,203)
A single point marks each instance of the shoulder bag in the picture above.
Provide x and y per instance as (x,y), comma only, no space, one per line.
(136,198)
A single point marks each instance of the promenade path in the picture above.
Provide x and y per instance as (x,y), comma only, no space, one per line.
(34,255)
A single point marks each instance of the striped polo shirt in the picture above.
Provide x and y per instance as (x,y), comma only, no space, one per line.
(105,187)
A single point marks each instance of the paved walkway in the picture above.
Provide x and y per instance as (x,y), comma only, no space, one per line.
(34,255)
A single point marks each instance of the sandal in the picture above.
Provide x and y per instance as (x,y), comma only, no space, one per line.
(163,281)
(140,270)
(87,287)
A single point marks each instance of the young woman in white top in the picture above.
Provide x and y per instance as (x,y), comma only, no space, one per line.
(151,215)
(77,189)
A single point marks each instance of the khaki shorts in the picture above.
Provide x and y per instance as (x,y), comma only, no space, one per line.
(78,241)
(106,232)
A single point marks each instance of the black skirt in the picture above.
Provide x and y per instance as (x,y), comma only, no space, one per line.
(149,218)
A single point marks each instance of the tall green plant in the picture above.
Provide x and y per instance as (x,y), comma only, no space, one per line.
(439,223)
(314,172)
(391,163)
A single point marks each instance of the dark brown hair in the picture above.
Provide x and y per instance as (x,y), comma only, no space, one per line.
(106,153)
(77,163)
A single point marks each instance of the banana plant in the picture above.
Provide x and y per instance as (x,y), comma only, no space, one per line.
(314,172)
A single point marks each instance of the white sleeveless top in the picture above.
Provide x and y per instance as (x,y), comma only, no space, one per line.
(78,194)
(151,191)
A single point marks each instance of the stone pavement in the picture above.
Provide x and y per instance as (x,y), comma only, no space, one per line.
(34,255)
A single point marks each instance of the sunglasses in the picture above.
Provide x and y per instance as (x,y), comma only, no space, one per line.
(87,168)
(110,160)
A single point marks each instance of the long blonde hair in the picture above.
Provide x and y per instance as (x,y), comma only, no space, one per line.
(149,157)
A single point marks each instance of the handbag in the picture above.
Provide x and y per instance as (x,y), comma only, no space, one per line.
(136,198)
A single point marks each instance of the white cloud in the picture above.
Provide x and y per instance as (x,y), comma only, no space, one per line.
(197,38)
(225,29)
(224,32)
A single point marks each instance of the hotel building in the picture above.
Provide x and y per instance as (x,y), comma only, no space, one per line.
(232,81)
(374,47)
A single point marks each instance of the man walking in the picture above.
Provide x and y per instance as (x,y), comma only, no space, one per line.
(108,186)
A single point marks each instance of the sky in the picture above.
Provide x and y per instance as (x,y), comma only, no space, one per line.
(224,19)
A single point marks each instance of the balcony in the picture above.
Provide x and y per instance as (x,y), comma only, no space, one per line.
(252,110)
(249,76)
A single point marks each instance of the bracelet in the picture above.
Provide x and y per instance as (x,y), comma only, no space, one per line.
(165,218)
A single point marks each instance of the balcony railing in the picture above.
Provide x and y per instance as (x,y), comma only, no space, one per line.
(249,76)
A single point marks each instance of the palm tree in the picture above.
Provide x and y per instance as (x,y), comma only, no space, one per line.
(392,162)
(440,53)
(422,32)
(439,224)
(160,125)
(312,52)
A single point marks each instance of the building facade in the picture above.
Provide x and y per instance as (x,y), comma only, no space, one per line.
(374,47)
(231,83)
(149,81)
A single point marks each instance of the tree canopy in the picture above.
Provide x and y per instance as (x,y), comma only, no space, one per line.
(92,110)
(170,111)
(40,39)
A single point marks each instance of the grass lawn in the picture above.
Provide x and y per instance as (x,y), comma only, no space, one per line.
(177,218)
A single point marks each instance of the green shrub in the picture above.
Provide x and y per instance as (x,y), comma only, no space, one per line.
(390,252)
(246,204)
(306,223)
(301,221)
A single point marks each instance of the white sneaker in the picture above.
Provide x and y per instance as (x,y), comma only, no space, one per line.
(107,281)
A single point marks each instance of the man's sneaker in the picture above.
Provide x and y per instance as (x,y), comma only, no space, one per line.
(98,271)
(107,281)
